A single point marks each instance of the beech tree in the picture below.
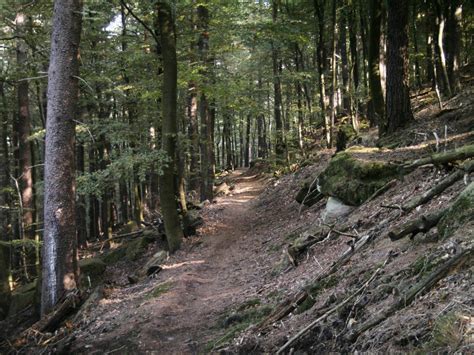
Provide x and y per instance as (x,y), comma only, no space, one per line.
(169,206)
(60,271)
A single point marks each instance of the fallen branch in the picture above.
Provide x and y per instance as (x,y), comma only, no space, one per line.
(310,326)
(421,224)
(409,295)
(440,187)
(462,153)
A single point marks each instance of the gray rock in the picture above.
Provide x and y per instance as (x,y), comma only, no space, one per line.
(335,209)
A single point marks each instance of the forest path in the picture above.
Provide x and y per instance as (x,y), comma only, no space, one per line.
(201,282)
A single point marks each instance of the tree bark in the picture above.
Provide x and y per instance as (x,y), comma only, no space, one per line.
(376,103)
(277,105)
(25,147)
(174,233)
(248,146)
(398,92)
(207,135)
(60,270)
(4,201)
(320,59)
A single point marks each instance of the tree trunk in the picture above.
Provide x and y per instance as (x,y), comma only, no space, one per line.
(453,10)
(346,94)
(354,67)
(193,134)
(320,59)
(25,147)
(441,23)
(4,201)
(207,142)
(334,74)
(174,233)
(277,105)
(81,201)
(376,103)
(417,73)
(398,93)
(60,268)
(248,146)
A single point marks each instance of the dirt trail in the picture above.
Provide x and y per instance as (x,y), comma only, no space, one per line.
(206,277)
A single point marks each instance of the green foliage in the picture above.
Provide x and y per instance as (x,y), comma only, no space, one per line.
(125,166)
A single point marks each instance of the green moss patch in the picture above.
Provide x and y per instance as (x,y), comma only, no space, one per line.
(161,289)
(354,180)
(249,313)
(314,290)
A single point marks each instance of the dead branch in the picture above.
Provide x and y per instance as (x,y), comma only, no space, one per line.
(411,293)
(310,326)
(462,153)
(440,187)
(421,224)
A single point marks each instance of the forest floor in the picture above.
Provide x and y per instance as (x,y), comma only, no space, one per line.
(199,283)
(213,293)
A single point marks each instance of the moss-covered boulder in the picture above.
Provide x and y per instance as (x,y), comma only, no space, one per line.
(92,271)
(459,214)
(136,248)
(309,194)
(115,255)
(353,180)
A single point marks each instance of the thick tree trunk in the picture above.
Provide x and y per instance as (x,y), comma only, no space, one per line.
(376,103)
(453,11)
(174,233)
(60,269)
(398,93)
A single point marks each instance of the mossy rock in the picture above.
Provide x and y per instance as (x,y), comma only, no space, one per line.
(115,255)
(353,180)
(22,297)
(92,270)
(136,248)
(460,213)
